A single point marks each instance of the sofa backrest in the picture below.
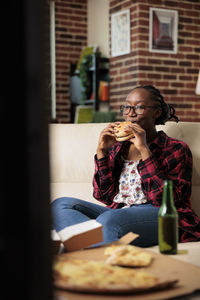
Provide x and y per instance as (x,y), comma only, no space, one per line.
(72,149)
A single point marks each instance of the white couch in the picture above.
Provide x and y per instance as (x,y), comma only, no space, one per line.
(72,149)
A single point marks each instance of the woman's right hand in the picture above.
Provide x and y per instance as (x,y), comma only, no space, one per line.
(106,140)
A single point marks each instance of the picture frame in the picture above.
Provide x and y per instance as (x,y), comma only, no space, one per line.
(120,33)
(163,30)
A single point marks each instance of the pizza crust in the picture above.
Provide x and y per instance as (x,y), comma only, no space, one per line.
(61,283)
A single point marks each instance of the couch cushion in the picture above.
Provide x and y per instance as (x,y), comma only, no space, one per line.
(84,191)
(72,149)
(188,132)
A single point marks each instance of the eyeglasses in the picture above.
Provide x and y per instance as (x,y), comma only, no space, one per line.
(137,109)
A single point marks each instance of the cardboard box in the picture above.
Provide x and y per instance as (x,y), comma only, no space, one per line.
(81,235)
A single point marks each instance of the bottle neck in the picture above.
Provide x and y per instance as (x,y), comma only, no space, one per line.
(167,200)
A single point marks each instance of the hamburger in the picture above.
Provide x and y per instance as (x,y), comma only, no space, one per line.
(123,134)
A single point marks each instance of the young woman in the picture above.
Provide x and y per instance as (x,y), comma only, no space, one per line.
(129,176)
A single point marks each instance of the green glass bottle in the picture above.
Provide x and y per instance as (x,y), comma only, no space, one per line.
(168,221)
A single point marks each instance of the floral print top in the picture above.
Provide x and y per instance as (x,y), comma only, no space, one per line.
(130,190)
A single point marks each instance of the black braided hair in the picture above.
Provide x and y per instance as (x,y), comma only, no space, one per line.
(168,111)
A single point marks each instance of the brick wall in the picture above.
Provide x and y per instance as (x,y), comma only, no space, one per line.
(174,74)
(71,37)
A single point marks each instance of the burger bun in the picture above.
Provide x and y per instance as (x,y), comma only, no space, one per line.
(121,133)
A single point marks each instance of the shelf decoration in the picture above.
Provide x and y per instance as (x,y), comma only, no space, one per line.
(103,91)
(120,33)
(163,27)
(84,114)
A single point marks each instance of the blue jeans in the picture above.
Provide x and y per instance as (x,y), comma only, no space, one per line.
(141,219)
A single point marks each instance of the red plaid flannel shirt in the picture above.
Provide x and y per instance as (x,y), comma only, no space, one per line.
(170,159)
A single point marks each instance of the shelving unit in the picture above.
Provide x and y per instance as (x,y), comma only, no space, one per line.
(100,71)
(97,73)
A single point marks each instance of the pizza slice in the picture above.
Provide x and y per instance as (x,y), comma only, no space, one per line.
(127,255)
(80,275)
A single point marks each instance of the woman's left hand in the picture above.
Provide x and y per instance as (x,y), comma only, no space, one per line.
(139,139)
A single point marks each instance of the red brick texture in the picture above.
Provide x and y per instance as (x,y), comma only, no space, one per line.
(71,37)
(175,75)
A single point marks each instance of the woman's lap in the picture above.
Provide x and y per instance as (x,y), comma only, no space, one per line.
(141,219)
